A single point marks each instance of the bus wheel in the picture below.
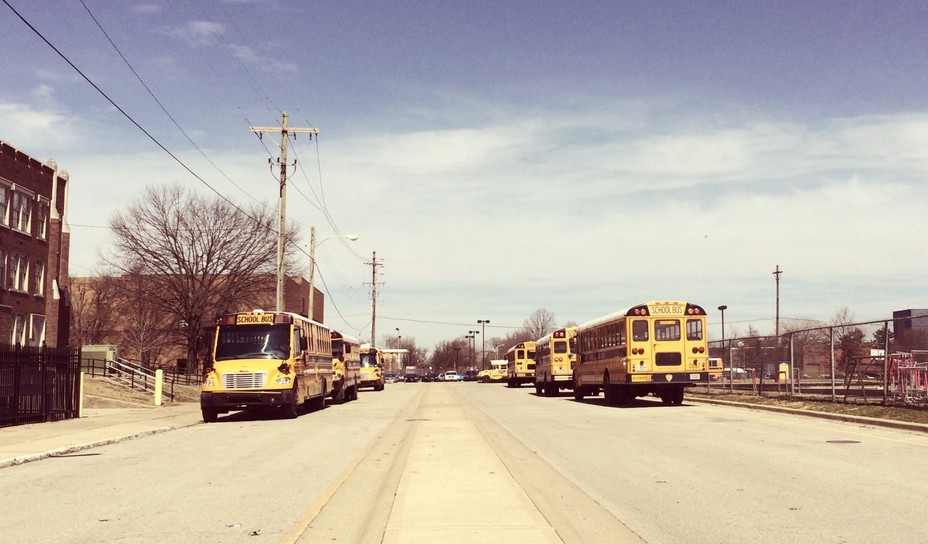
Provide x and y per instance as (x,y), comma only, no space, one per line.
(338,396)
(608,391)
(622,395)
(291,409)
(551,389)
(578,393)
(538,388)
(210,415)
(678,394)
(353,392)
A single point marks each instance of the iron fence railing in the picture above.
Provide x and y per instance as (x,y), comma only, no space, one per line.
(875,361)
(38,385)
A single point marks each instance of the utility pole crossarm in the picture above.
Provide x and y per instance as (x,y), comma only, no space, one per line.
(286,130)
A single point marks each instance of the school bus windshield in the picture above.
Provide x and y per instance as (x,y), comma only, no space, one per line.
(368,360)
(253,342)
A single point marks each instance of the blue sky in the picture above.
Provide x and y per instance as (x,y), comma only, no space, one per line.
(502,157)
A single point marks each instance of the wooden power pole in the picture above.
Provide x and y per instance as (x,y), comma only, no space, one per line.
(282,229)
(374,264)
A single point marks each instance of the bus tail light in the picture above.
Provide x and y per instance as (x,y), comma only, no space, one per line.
(699,349)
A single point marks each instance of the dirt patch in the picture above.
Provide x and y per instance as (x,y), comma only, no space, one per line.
(104,393)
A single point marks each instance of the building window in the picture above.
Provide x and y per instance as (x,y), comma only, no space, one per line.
(21,213)
(18,272)
(39,286)
(36,330)
(19,330)
(3,283)
(42,219)
(5,205)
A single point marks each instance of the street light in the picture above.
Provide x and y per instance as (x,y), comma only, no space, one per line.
(731,370)
(473,348)
(398,338)
(483,342)
(312,263)
(470,336)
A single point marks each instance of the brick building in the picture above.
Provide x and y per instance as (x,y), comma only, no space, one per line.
(34,251)
(910,329)
(153,338)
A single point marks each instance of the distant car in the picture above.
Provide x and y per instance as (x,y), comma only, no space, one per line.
(428,377)
(390,378)
(470,375)
(451,376)
(411,377)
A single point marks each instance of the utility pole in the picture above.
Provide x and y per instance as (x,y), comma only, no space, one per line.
(282,229)
(776,274)
(312,272)
(374,264)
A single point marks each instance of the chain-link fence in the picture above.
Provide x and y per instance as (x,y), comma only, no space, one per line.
(882,362)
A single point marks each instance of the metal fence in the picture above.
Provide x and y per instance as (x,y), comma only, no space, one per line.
(868,362)
(38,385)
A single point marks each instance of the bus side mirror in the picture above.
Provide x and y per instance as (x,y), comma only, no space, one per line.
(304,344)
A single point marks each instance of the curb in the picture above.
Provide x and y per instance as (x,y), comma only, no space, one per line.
(80,447)
(863,420)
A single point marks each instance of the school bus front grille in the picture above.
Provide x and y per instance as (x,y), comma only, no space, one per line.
(244,380)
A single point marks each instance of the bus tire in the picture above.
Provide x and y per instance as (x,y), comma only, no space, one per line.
(622,395)
(353,392)
(578,390)
(338,396)
(210,415)
(678,394)
(608,391)
(291,409)
(538,388)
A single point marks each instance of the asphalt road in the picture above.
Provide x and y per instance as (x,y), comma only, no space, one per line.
(582,472)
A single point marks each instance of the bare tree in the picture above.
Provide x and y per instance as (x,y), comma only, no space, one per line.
(540,323)
(93,310)
(145,330)
(199,257)
(849,340)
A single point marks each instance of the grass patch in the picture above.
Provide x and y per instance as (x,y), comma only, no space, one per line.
(911,414)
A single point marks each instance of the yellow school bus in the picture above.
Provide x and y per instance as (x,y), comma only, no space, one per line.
(496,373)
(346,367)
(654,348)
(554,361)
(521,368)
(715,368)
(371,368)
(264,359)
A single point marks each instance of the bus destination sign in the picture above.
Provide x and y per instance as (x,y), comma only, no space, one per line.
(254,319)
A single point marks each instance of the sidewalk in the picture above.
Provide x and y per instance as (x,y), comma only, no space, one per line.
(97,427)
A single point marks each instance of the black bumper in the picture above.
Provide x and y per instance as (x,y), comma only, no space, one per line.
(245,399)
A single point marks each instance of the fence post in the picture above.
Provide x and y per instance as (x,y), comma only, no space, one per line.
(159,378)
(831,334)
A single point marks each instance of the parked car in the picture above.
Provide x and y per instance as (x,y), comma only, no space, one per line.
(451,376)
(390,378)
(470,375)
(411,377)
(428,377)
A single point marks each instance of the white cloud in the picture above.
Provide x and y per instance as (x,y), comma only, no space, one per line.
(31,129)
(199,33)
